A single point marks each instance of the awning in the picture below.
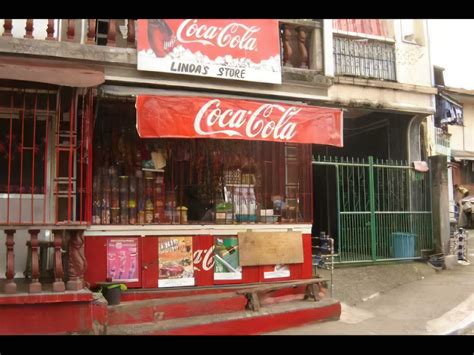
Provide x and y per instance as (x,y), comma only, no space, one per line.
(459,155)
(51,72)
(223,118)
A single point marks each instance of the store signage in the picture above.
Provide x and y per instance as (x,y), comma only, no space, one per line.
(228,49)
(204,258)
(203,117)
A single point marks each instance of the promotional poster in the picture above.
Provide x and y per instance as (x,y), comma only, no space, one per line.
(122,260)
(226,256)
(220,48)
(175,259)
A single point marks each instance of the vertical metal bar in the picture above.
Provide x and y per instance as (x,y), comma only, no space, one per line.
(45,174)
(372,207)
(71,147)
(10,157)
(81,160)
(21,151)
(33,160)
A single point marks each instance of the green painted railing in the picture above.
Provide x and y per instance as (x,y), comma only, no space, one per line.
(384,209)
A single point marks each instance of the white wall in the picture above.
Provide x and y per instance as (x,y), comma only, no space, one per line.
(413,60)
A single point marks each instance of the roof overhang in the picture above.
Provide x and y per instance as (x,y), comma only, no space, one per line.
(459,155)
(50,71)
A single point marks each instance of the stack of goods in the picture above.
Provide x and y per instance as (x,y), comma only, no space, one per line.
(149,210)
(232,177)
(159,195)
(132,200)
(224,213)
(114,198)
(140,200)
(124,199)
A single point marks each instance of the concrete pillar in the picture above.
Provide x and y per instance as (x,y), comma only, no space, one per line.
(440,202)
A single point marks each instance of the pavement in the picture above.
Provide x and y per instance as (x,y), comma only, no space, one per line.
(437,303)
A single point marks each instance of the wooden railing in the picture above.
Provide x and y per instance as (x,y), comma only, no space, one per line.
(76,263)
(71,34)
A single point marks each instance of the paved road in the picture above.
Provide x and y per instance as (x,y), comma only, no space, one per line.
(439,304)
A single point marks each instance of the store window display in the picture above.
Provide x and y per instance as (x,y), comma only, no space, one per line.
(185,181)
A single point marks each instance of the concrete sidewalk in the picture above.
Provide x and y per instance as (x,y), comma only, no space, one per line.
(440,303)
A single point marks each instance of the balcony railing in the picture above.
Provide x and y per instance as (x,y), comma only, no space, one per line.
(82,31)
(364,58)
(302,44)
(442,142)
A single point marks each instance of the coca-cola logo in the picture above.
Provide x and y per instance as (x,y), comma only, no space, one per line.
(204,256)
(212,119)
(233,35)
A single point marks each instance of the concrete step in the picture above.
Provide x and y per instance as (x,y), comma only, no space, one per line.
(270,318)
(152,310)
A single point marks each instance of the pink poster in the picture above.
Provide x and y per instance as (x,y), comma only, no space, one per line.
(122,260)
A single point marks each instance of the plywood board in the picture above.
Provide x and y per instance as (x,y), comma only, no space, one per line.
(270,248)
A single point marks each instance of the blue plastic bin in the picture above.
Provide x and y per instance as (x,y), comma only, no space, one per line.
(403,245)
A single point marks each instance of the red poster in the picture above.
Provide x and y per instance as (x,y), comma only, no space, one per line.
(204,117)
(227,49)
(122,260)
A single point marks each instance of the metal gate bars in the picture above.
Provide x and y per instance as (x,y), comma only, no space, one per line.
(383,209)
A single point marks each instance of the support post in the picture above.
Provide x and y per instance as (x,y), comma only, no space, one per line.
(58,284)
(77,263)
(439,202)
(35,285)
(10,285)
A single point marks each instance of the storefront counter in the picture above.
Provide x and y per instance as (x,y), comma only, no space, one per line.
(163,256)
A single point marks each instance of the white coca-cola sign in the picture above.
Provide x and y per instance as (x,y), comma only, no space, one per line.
(212,119)
(204,256)
(232,35)
(236,49)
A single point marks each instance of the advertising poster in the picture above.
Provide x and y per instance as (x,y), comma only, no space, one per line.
(226,257)
(273,272)
(122,260)
(175,259)
(220,48)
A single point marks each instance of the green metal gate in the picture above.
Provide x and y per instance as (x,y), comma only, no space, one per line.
(383,209)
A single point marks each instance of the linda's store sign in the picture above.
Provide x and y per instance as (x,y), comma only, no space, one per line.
(229,49)
(204,117)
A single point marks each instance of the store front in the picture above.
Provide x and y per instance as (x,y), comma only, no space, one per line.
(187,177)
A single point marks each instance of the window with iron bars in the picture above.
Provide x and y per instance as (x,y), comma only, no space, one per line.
(44,154)
(364,58)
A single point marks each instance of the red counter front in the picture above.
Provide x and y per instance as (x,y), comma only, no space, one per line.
(144,272)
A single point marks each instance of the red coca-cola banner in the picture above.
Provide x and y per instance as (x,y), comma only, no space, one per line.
(205,117)
(220,48)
